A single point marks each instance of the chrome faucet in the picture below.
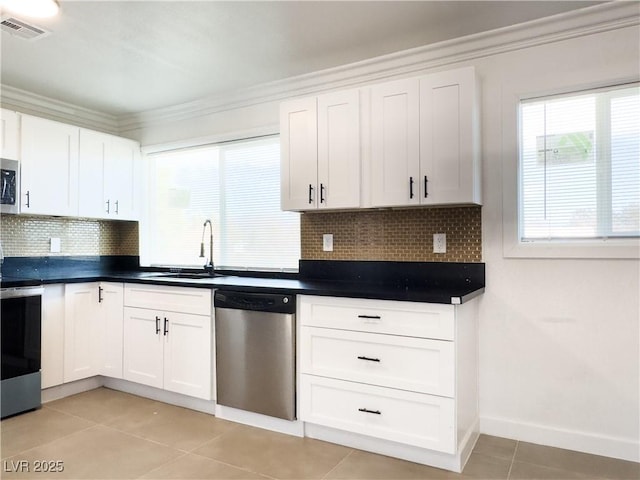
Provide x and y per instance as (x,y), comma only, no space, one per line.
(209,265)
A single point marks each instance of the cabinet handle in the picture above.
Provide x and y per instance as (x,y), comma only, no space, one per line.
(410,187)
(28,194)
(366,410)
(117,206)
(321,193)
(369,359)
(370,317)
(108,206)
(426,194)
(310,192)
(100,294)
(157,325)
(166,326)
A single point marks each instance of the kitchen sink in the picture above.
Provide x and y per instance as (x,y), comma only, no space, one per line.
(191,276)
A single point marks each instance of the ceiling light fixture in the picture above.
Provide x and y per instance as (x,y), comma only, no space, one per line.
(32,8)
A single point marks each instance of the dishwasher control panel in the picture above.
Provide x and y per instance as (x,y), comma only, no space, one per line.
(260,302)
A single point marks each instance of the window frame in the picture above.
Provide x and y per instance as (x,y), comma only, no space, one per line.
(145,223)
(513,246)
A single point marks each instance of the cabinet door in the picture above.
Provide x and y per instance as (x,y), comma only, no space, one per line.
(395,143)
(143,346)
(52,336)
(449,139)
(109,170)
(299,154)
(110,298)
(339,150)
(187,354)
(81,331)
(9,134)
(121,178)
(49,167)
(91,194)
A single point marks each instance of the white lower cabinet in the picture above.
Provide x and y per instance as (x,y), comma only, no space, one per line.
(411,418)
(413,364)
(169,348)
(52,350)
(400,373)
(93,316)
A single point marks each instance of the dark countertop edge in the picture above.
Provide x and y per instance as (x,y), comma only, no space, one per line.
(444,295)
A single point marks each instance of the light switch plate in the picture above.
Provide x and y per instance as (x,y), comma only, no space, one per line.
(327,242)
(439,243)
(55,245)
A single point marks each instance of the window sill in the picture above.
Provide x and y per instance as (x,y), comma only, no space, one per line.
(587,249)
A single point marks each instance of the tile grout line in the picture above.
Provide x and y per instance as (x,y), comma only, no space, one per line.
(164,464)
(351,451)
(239,467)
(51,441)
(513,459)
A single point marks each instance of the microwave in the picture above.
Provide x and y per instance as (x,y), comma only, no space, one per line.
(9,186)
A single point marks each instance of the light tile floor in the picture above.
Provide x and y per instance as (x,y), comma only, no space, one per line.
(111,435)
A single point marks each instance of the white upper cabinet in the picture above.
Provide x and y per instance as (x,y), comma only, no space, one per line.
(320,148)
(395,143)
(108,176)
(449,138)
(9,134)
(407,142)
(339,150)
(49,167)
(299,154)
(425,141)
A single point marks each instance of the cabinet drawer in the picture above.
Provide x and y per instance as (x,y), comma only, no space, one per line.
(414,364)
(411,418)
(379,316)
(169,299)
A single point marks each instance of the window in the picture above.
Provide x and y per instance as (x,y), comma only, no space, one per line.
(237,186)
(579,171)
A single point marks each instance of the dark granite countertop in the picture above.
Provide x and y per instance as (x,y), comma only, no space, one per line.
(428,282)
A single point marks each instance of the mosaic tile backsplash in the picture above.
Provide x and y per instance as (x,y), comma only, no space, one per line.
(394,235)
(29,236)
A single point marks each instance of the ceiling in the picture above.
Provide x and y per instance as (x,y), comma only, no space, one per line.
(123,57)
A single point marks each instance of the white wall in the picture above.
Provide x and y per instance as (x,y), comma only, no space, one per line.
(559,338)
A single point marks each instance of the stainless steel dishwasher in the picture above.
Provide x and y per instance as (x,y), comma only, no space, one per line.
(255,352)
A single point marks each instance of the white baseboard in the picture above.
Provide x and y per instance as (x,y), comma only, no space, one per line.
(198,404)
(615,447)
(72,388)
(288,427)
(453,463)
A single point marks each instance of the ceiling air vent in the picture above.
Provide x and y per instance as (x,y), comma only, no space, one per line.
(22,29)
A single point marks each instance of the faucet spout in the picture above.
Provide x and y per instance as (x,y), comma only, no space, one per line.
(209,265)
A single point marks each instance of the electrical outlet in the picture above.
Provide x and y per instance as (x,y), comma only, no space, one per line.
(439,243)
(55,245)
(327,242)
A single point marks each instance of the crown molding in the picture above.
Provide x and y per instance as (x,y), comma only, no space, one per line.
(577,23)
(33,104)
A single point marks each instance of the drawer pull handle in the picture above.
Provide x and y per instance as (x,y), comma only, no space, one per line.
(370,317)
(366,410)
(369,359)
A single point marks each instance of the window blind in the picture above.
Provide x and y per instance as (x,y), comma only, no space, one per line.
(237,186)
(579,175)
